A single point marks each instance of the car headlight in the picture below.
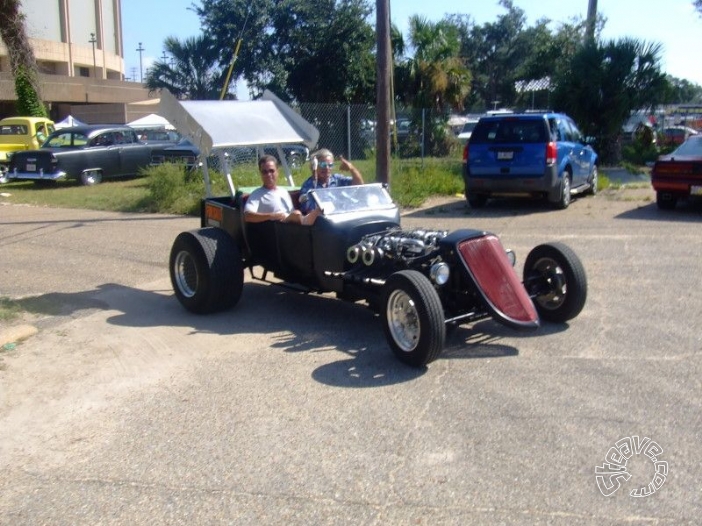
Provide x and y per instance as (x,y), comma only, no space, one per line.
(511,256)
(439,273)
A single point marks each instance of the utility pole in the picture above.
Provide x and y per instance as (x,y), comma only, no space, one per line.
(93,40)
(384,60)
(591,21)
(140,49)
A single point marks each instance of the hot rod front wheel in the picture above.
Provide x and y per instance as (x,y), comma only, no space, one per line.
(555,279)
(413,318)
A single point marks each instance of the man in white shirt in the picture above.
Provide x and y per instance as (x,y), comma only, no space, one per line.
(270,203)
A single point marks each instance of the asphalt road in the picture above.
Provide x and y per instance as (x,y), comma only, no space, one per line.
(290,409)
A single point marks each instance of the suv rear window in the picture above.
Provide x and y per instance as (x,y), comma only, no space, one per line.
(503,131)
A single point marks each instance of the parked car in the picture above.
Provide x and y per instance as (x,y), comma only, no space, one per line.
(678,175)
(87,154)
(187,153)
(419,282)
(676,135)
(21,133)
(467,131)
(537,154)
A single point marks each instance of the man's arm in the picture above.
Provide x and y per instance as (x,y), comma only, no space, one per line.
(356,176)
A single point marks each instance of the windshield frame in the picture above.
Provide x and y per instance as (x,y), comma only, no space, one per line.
(338,200)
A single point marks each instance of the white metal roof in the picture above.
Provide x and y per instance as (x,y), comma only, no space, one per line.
(213,124)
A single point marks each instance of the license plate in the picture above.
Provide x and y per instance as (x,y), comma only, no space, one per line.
(505,156)
(31,167)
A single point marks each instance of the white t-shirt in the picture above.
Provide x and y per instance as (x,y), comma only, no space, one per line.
(266,201)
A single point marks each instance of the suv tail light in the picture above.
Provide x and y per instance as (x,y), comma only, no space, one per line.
(551,153)
(465,154)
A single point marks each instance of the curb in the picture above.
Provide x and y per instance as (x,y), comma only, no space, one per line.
(17,334)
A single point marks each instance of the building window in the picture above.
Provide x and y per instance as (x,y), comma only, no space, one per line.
(83,72)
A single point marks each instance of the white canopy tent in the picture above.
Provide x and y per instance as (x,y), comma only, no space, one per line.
(151,121)
(68,122)
(214,125)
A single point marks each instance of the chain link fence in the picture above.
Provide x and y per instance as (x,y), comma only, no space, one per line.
(350,130)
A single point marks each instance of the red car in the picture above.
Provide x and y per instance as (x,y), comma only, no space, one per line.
(675,135)
(678,174)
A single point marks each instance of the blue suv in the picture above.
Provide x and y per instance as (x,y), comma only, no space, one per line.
(542,154)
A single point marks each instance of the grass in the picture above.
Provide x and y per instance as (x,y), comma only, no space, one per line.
(174,190)
(11,309)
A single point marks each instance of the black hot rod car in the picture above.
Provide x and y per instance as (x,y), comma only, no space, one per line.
(419,281)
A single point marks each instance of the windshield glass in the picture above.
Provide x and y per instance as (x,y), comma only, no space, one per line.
(691,147)
(344,199)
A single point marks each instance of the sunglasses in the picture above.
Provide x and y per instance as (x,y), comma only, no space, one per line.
(267,171)
(326,165)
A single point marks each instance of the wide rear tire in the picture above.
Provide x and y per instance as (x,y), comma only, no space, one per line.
(555,278)
(207,271)
(413,318)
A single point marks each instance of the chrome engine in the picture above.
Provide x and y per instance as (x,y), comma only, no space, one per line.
(395,245)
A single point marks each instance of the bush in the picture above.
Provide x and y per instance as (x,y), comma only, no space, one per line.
(174,189)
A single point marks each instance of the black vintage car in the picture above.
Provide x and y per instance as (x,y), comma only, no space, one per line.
(87,154)
(420,282)
(185,152)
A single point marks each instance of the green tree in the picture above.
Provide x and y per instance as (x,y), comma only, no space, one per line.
(498,54)
(192,71)
(22,61)
(604,83)
(434,78)
(302,50)
(683,91)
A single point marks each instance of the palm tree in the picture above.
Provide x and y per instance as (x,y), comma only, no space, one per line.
(192,72)
(440,80)
(605,82)
(22,61)
(435,78)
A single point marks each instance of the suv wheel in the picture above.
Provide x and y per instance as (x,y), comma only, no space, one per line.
(593,181)
(565,199)
(666,200)
(477,200)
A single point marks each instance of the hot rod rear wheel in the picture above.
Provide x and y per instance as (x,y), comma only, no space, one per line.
(206,270)
(413,318)
(555,279)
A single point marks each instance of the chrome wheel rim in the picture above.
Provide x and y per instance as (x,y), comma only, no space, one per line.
(185,273)
(403,320)
(566,190)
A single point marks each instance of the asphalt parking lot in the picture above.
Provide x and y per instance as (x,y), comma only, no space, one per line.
(290,409)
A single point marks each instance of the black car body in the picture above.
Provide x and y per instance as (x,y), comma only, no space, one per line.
(87,154)
(420,282)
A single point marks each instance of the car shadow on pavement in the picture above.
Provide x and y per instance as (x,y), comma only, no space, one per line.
(498,207)
(307,323)
(483,339)
(684,212)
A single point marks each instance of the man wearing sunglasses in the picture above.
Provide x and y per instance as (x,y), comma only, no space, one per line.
(270,203)
(322,164)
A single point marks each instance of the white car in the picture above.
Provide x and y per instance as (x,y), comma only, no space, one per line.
(466,131)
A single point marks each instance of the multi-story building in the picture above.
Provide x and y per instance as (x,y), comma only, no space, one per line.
(79,51)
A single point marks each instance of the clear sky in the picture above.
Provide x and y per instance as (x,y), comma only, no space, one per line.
(673,23)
